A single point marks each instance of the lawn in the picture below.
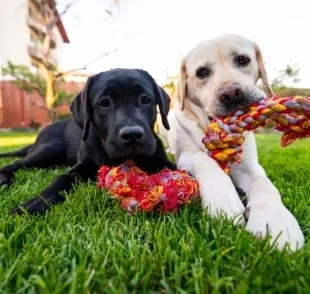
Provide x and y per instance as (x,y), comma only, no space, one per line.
(89,245)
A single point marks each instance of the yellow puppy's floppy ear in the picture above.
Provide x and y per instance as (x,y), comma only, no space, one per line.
(182,86)
(262,71)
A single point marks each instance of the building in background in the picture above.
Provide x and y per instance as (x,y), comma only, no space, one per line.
(22,27)
(23,31)
(39,15)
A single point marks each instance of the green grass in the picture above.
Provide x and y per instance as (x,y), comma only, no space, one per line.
(89,245)
(15,140)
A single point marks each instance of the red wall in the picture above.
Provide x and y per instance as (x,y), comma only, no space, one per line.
(18,108)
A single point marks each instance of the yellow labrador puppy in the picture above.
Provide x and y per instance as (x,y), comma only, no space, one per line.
(218,76)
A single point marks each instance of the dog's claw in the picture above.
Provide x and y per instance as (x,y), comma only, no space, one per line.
(6,179)
(246,213)
(37,205)
(17,211)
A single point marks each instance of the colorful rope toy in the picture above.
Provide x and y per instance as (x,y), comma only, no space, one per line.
(224,135)
(165,191)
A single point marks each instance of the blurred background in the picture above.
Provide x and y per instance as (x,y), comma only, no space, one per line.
(48,48)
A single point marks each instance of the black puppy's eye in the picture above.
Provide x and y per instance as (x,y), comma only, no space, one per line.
(105,103)
(145,100)
(203,72)
(242,60)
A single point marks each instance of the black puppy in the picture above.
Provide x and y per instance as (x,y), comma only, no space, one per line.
(113,120)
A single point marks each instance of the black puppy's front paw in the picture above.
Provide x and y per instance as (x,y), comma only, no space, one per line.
(6,179)
(37,205)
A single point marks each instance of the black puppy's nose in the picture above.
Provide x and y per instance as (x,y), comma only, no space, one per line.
(131,134)
(231,94)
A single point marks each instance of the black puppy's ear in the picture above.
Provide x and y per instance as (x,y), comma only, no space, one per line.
(162,99)
(163,102)
(81,110)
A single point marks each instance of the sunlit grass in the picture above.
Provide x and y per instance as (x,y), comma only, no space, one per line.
(11,140)
(89,245)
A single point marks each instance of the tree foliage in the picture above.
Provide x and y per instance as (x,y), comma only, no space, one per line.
(63,98)
(288,75)
(31,81)
(25,78)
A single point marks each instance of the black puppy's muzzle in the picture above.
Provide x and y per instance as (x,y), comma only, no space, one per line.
(133,134)
(129,141)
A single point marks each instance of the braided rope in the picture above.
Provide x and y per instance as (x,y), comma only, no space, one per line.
(164,191)
(224,135)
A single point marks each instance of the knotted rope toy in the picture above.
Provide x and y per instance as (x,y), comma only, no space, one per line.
(165,191)
(224,135)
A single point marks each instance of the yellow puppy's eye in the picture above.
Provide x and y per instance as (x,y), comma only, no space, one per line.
(203,72)
(242,60)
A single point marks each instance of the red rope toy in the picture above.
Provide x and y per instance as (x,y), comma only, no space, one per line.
(165,191)
(224,136)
